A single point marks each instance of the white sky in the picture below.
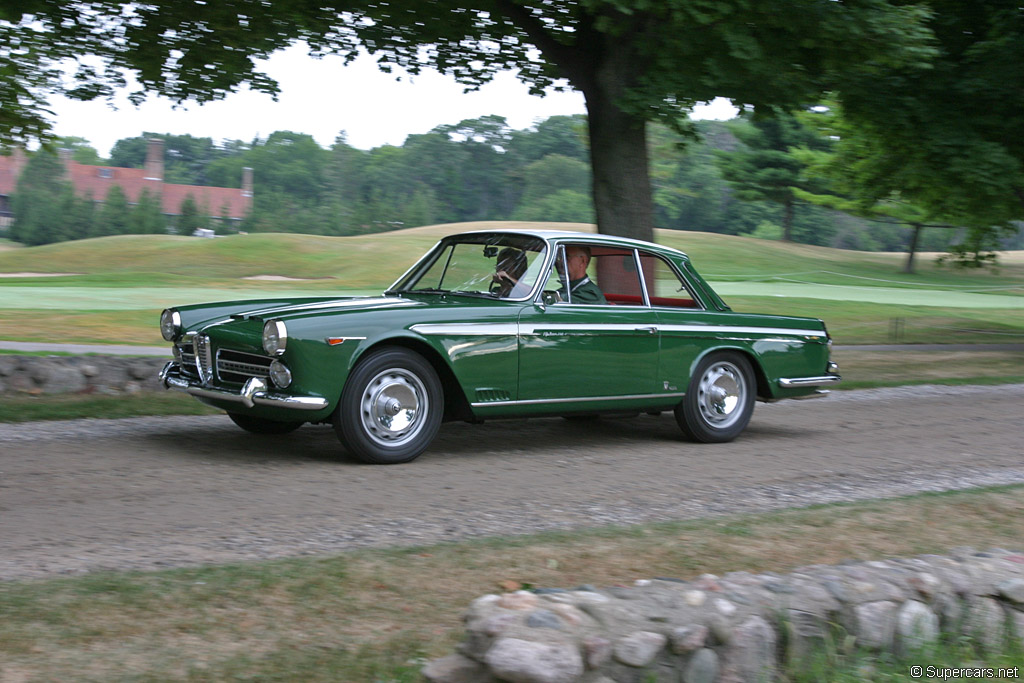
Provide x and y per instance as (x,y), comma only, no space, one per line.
(322,98)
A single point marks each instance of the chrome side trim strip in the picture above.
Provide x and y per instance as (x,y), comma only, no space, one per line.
(512,329)
(790,382)
(540,401)
(718,329)
(474,329)
(253,393)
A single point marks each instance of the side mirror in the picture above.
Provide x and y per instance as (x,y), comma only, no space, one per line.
(549,297)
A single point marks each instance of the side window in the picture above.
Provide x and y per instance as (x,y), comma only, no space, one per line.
(616,274)
(586,274)
(664,285)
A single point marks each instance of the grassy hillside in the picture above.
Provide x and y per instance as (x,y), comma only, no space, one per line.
(376,260)
(111,288)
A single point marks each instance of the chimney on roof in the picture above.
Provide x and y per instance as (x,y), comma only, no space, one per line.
(155,160)
(17,161)
(246,182)
(64,154)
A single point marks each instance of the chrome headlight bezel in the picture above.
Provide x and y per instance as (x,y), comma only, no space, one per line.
(279,374)
(170,324)
(275,337)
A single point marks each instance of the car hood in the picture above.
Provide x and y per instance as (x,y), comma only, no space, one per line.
(283,308)
(200,316)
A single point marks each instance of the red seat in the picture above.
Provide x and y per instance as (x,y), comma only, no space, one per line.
(635,300)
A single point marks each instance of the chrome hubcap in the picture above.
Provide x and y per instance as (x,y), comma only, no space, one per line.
(393,407)
(720,395)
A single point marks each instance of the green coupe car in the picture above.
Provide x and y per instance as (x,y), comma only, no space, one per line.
(500,324)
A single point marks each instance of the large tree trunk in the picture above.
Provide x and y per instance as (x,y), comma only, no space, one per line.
(602,67)
(618,154)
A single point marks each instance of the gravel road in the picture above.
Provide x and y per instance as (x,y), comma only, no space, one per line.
(143,493)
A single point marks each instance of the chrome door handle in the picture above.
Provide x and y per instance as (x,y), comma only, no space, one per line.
(648,330)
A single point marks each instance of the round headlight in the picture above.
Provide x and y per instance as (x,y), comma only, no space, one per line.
(275,337)
(280,375)
(170,324)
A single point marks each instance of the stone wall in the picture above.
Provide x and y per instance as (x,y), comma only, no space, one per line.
(78,374)
(737,627)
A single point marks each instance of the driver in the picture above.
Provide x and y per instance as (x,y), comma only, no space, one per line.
(509,269)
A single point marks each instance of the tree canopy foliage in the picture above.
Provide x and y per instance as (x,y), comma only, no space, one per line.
(633,60)
(767,170)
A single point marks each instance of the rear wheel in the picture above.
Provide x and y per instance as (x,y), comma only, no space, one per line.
(719,400)
(391,407)
(259,425)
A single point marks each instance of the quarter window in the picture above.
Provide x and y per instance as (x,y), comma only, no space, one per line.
(664,285)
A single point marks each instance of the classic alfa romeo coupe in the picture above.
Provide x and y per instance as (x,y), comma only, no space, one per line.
(501,324)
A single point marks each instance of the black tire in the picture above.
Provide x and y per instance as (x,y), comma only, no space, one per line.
(391,407)
(719,400)
(258,425)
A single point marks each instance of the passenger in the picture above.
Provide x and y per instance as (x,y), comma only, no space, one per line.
(509,270)
(580,288)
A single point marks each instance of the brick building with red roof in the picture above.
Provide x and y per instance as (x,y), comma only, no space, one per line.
(229,203)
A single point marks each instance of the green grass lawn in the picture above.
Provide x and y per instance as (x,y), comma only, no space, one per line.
(111,289)
(376,616)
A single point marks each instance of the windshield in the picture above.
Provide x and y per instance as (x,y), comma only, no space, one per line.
(498,265)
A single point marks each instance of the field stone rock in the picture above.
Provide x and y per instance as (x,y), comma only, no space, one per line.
(41,370)
(9,365)
(522,661)
(752,652)
(456,669)
(639,649)
(985,621)
(61,379)
(543,618)
(916,625)
(702,667)
(142,370)
(520,600)
(1013,590)
(875,624)
(926,584)
(21,382)
(597,650)
(688,638)
(806,631)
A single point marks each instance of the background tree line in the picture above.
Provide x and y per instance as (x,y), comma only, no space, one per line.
(766,177)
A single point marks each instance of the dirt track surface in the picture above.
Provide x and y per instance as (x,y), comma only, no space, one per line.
(145,493)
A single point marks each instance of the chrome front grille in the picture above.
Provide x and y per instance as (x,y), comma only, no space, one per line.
(237,367)
(203,357)
(187,356)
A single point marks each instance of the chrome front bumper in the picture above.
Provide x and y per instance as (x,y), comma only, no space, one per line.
(254,392)
(795,382)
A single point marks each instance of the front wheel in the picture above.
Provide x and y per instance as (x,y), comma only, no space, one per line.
(258,425)
(719,400)
(391,407)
